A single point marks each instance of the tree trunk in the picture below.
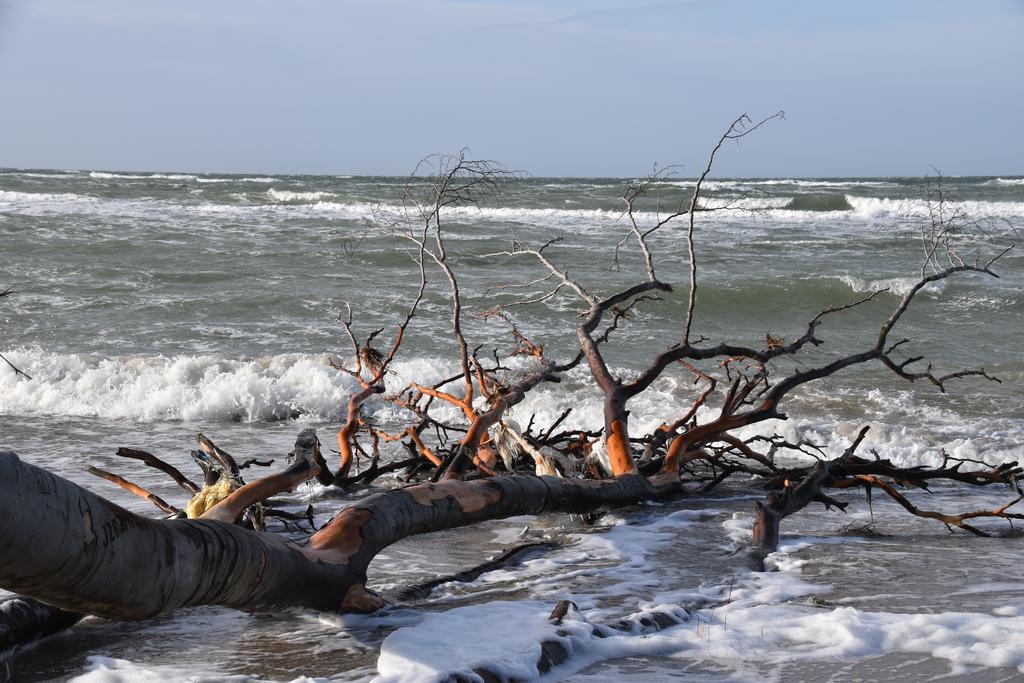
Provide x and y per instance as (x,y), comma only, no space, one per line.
(72,549)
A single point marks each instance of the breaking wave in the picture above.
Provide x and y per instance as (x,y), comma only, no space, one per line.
(214,388)
(103,175)
(14,197)
(237,180)
(878,208)
(740,184)
(38,174)
(288,196)
(288,203)
(204,387)
(899,286)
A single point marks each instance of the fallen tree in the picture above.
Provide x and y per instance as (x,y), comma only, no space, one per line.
(80,554)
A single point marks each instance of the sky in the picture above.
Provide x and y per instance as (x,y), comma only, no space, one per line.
(555,88)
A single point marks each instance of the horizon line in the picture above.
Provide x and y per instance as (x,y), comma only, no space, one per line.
(517,175)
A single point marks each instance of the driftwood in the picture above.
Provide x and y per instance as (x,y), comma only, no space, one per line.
(81,554)
(73,549)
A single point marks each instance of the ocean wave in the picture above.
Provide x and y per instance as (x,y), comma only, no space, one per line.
(842,183)
(238,180)
(214,388)
(289,196)
(874,208)
(716,185)
(1005,181)
(797,208)
(201,387)
(104,175)
(739,183)
(900,286)
(745,203)
(809,182)
(34,174)
(204,387)
(14,197)
(819,202)
(554,218)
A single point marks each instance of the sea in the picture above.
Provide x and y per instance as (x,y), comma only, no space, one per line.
(151,306)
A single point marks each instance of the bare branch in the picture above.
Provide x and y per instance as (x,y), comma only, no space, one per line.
(739,128)
(134,489)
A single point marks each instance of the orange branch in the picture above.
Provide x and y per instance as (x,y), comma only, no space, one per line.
(135,489)
(345,434)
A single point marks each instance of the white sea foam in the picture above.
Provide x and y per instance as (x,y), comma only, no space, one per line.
(111,670)
(619,556)
(289,196)
(874,208)
(206,387)
(866,208)
(842,183)
(215,388)
(104,175)
(739,184)
(554,218)
(434,649)
(288,204)
(31,174)
(238,180)
(623,573)
(764,620)
(14,198)
(1005,181)
(899,286)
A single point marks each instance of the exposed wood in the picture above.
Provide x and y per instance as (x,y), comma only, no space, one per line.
(79,552)
(348,431)
(119,565)
(155,462)
(134,489)
(224,459)
(305,467)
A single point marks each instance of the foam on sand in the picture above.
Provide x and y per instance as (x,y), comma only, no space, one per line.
(764,619)
(110,670)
